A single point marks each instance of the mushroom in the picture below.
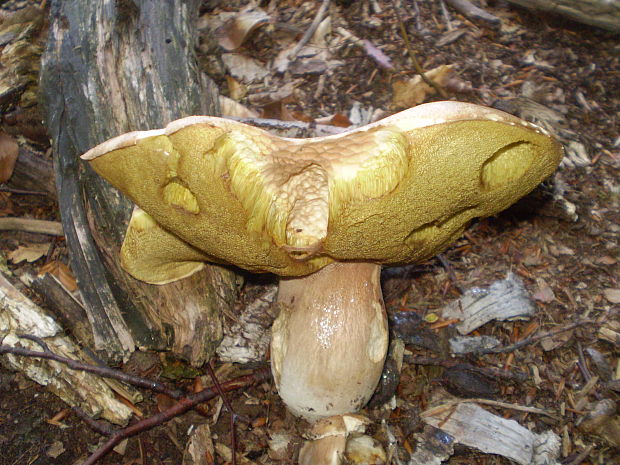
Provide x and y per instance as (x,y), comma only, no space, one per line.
(324,214)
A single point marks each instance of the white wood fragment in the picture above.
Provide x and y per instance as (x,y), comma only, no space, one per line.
(468,344)
(18,316)
(506,299)
(248,340)
(471,425)
(199,449)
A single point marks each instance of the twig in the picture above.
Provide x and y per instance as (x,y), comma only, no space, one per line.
(495,403)
(412,55)
(446,15)
(451,275)
(533,339)
(104,372)
(487,371)
(182,406)
(231,412)
(311,30)
(583,367)
(581,456)
(53,228)
(102,428)
(12,190)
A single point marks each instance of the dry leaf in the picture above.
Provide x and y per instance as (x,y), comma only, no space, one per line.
(29,253)
(236,89)
(9,150)
(414,91)
(55,450)
(233,32)
(199,449)
(544,293)
(230,107)
(340,120)
(282,93)
(245,68)
(62,273)
(613,295)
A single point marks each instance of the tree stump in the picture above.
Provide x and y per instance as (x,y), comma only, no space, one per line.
(110,67)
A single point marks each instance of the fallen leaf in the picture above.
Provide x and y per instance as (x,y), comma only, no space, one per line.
(29,253)
(244,68)
(230,107)
(62,273)
(9,150)
(56,449)
(544,293)
(236,89)
(613,295)
(414,91)
(605,260)
(233,32)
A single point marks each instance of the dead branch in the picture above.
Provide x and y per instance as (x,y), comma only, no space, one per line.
(311,30)
(536,338)
(231,412)
(412,55)
(53,228)
(102,371)
(179,408)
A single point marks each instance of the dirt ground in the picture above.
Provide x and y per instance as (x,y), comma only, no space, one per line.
(561,241)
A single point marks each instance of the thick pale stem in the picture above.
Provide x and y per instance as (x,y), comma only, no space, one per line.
(330,340)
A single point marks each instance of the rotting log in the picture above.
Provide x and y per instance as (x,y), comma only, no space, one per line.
(20,316)
(600,13)
(110,67)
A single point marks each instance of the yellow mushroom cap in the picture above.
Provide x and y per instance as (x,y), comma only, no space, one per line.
(396,191)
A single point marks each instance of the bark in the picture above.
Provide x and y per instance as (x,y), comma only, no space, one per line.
(600,13)
(20,316)
(110,67)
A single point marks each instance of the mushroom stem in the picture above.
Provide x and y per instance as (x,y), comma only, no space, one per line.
(330,340)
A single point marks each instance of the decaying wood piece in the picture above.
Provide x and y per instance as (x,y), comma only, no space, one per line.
(506,299)
(247,339)
(600,13)
(471,11)
(19,316)
(111,67)
(67,310)
(53,228)
(473,426)
(33,171)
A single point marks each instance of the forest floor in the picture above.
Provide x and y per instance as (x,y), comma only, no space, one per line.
(562,241)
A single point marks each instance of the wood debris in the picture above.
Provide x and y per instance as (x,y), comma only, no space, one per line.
(506,299)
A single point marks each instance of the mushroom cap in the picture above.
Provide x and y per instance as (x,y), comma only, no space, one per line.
(396,191)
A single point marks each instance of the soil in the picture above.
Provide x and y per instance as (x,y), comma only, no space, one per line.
(562,240)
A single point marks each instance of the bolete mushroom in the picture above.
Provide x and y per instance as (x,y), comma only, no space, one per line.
(324,214)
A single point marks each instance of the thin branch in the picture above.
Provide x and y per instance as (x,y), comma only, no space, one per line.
(53,228)
(102,371)
(100,427)
(536,338)
(182,406)
(12,190)
(412,55)
(311,30)
(522,408)
(231,412)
